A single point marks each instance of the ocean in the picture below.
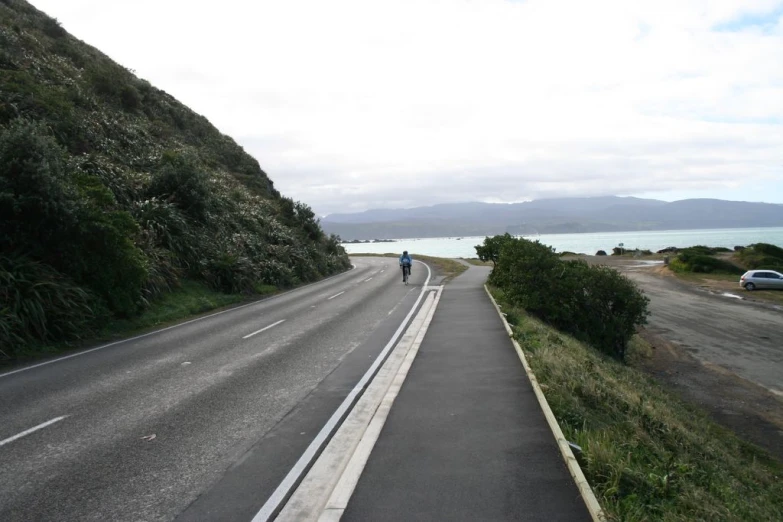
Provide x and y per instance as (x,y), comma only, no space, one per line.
(584,243)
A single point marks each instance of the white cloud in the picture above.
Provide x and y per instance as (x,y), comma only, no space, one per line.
(351,104)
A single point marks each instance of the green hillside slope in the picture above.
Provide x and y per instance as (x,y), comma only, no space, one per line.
(112,194)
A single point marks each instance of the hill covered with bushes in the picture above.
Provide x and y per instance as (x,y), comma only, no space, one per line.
(112,194)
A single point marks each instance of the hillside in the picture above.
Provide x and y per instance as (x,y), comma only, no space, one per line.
(112,194)
(551,216)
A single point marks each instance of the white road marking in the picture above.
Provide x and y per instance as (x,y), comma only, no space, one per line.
(345,448)
(344,486)
(282,492)
(31,430)
(368,279)
(169,327)
(264,329)
(336,295)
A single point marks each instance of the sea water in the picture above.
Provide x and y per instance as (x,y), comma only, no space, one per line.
(584,243)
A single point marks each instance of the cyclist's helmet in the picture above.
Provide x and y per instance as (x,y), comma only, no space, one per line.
(405,252)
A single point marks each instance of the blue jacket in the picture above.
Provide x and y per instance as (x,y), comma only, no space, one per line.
(406,260)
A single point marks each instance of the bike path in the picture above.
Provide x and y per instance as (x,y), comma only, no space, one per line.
(466,438)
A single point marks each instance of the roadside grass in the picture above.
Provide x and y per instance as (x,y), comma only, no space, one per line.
(477,262)
(448,267)
(190,300)
(647,454)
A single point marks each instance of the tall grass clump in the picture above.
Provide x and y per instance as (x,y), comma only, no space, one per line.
(38,306)
(762,256)
(701,259)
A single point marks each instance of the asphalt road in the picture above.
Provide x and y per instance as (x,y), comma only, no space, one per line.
(198,421)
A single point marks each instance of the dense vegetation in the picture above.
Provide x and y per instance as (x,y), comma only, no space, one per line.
(762,256)
(596,304)
(646,454)
(112,194)
(703,259)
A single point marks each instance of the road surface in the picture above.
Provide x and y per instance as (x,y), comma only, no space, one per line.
(149,429)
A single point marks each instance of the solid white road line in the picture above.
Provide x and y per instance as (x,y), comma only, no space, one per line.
(169,327)
(368,279)
(336,295)
(344,486)
(248,336)
(31,430)
(285,488)
(310,498)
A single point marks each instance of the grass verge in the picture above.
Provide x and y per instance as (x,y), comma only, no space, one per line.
(477,262)
(190,300)
(448,267)
(647,454)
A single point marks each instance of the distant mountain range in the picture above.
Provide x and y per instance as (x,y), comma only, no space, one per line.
(552,216)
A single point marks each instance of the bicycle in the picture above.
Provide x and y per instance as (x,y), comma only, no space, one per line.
(406,271)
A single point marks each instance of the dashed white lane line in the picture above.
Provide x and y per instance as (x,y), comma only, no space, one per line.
(31,430)
(248,336)
(336,295)
(368,279)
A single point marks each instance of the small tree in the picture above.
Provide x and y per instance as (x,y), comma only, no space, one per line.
(490,250)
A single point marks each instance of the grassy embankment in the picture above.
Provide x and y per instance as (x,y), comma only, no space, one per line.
(647,454)
(192,299)
(477,262)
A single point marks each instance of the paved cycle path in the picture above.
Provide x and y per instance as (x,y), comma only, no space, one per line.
(466,438)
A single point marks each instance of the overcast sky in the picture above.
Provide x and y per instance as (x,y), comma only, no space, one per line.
(358,104)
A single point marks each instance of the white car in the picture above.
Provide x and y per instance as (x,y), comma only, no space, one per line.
(753,279)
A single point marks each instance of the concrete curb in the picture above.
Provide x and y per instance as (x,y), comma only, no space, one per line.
(596,512)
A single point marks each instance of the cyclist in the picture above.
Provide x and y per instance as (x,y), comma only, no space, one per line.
(405,263)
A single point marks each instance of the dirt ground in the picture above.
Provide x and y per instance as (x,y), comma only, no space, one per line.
(722,353)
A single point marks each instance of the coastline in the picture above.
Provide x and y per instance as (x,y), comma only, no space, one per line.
(585,242)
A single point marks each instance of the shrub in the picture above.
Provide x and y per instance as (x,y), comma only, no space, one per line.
(40,305)
(181,181)
(601,253)
(51,27)
(66,220)
(230,273)
(130,98)
(595,304)
(699,259)
(762,256)
(103,257)
(36,203)
(490,249)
